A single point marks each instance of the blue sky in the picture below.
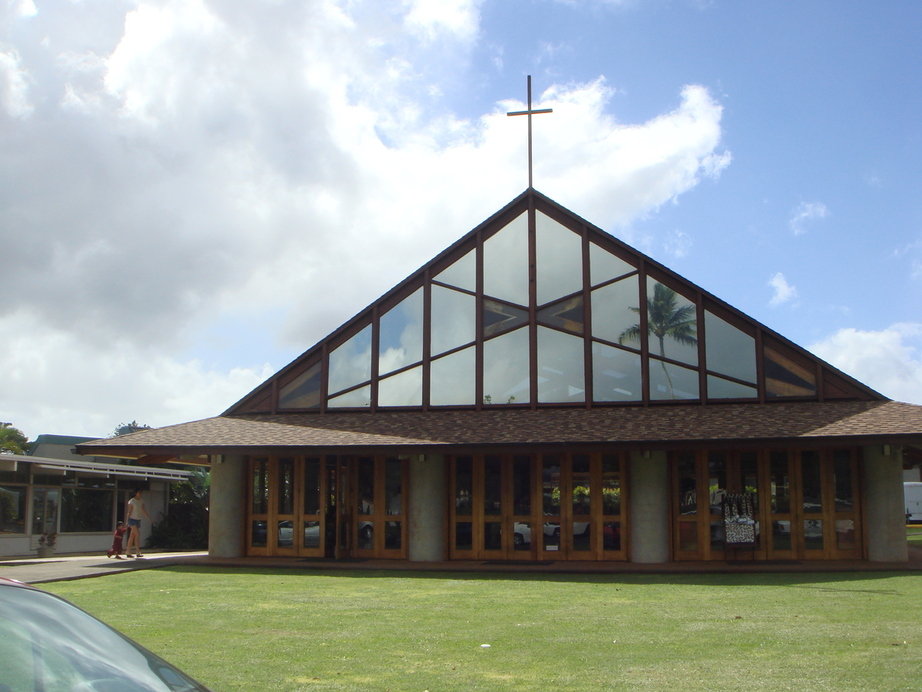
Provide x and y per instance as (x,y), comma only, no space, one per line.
(195,192)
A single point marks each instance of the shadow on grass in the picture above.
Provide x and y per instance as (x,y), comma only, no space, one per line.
(807,580)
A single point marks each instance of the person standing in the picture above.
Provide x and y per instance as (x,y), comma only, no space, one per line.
(135,509)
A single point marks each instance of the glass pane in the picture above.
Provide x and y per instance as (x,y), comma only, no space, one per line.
(616,374)
(813,534)
(260,486)
(729,351)
(749,475)
(717,482)
(357,398)
(614,312)
(668,381)
(781,483)
(492,535)
(350,363)
(688,485)
(781,535)
(365,484)
(405,389)
(312,486)
(688,536)
(464,535)
(505,262)
(13,506)
(672,324)
(82,509)
(392,535)
(303,391)
(842,467)
(462,273)
(552,535)
(561,374)
(451,379)
(400,338)
(366,535)
(786,377)
(604,266)
(286,486)
(286,531)
(258,539)
(582,535)
(505,369)
(582,486)
(718,534)
(611,485)
(521,535)
(611,535)
(719,388)
(559,253)
(453,319)
(311,534)
(521,485)
(492,486)
(500,317)
(566,315)
(550,485)
(845,534)
(464,484)
(812,485)
(393,486)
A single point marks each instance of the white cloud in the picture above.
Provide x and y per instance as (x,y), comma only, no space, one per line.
(806,211)
(437,18)
(677,244)
(889,360)
(190,167)
(14,85)
(783,291)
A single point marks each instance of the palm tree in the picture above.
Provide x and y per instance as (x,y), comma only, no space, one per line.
(665,319)
(12,440)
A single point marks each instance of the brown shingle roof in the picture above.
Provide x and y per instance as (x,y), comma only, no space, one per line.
(875,421)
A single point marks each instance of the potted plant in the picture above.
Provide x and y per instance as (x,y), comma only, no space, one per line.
(46,544)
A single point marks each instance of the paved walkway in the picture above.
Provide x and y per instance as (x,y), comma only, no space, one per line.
(66,567)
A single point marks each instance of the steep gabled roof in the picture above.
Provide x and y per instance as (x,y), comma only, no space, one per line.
(536,307)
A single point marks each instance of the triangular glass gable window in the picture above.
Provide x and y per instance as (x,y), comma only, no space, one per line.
(505,262)
(672,324)
(402,389)
(604,266)
(357,398)
(616,374)
(559,252)
(401,334)
(561,376)
(303,391)
(615,312)
(719,388)
(505,369)
(786,375)
(453,319)
(728,350)
(670,382)
(452,378)
(566,315)
(350,363)
(499,317)
(463,273)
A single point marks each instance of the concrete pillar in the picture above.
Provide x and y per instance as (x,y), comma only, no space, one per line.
(884,510)
(226,530)
(427,512)
(649,503)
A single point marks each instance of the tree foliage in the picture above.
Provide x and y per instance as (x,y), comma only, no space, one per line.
(12,440)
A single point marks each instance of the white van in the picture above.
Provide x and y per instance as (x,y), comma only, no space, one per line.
(912,492)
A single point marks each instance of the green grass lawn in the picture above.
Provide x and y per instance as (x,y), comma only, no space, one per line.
(253,629)
(914,534)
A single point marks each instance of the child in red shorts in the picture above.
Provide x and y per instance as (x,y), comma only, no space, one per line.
(116,550)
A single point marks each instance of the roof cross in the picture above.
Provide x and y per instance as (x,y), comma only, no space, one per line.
(530,112)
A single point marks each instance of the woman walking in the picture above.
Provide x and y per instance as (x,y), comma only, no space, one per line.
(135,509)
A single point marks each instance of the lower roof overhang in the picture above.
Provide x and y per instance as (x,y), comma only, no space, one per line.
(448,431)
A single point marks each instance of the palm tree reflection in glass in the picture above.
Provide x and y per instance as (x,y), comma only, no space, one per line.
(665,319)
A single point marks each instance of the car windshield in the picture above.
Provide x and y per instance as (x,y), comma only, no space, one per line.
(49,645)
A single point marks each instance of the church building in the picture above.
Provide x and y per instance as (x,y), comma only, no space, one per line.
(540,391)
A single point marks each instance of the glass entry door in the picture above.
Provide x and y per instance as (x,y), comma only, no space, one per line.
(531,507)
(331,507)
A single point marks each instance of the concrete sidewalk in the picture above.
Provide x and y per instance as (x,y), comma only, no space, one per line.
(65,567)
